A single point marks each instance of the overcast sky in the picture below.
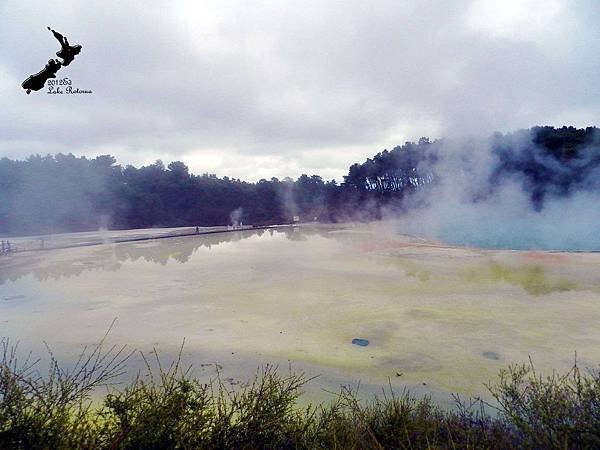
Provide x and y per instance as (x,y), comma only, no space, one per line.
(255,89)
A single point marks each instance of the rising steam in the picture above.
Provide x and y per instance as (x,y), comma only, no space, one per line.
(516,196)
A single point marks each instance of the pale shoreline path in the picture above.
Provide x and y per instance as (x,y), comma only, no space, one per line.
(439,319)
(100,237)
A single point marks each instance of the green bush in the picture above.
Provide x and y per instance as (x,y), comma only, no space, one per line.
(168,409)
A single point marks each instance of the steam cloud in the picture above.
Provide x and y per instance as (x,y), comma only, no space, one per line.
(236,216)
(491,197)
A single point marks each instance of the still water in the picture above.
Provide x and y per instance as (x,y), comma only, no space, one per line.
(426,315)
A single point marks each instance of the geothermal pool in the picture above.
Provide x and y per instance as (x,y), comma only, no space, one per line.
(437,319)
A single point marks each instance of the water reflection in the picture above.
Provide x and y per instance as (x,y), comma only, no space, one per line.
(42,266)
(448,317)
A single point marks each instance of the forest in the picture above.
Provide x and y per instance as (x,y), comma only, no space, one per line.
(65,193)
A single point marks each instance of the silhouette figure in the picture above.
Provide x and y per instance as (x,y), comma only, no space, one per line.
(37,81)
(67,52)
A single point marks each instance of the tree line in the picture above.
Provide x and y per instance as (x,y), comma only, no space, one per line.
(61,193)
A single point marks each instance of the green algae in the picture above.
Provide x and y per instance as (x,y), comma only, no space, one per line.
(532,278)
(410,268)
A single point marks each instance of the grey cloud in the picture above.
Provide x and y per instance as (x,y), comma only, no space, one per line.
(287,83)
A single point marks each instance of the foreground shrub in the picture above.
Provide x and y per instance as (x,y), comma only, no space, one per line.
(53,410)
(556,411)
(167,408)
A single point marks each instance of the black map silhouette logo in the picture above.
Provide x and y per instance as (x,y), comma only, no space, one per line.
(67,53)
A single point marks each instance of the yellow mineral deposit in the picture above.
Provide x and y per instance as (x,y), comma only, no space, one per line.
(435,316)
